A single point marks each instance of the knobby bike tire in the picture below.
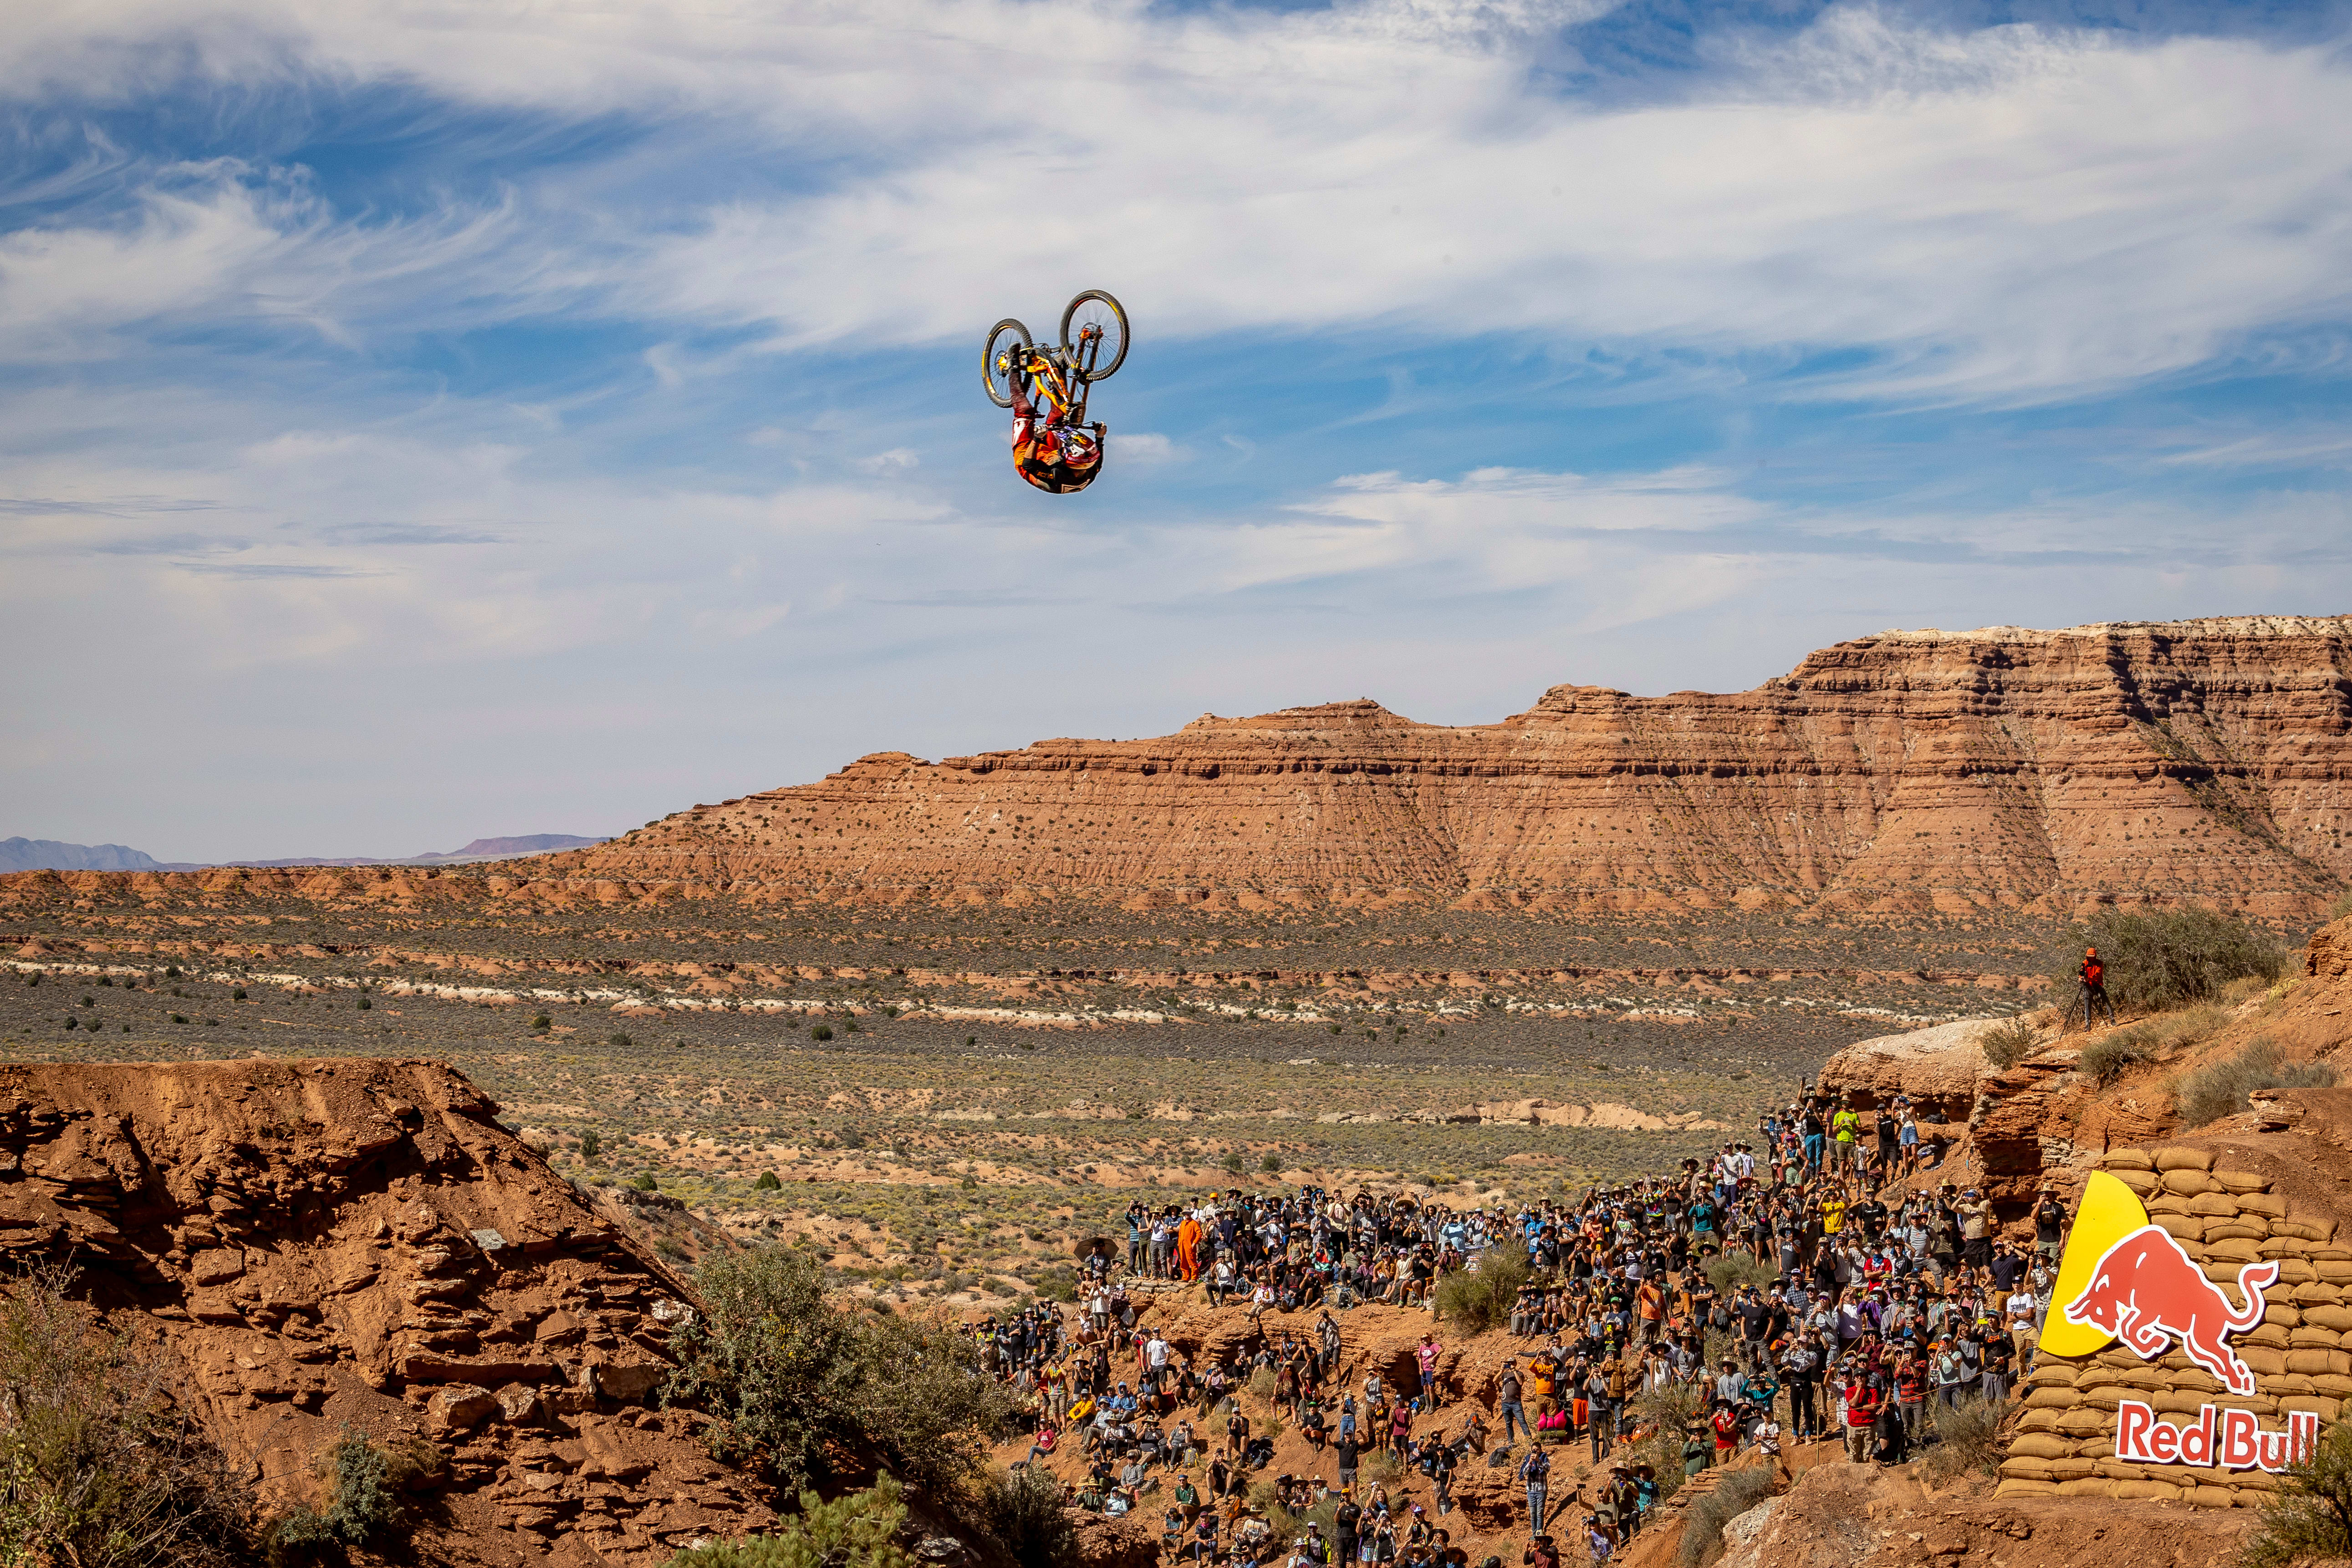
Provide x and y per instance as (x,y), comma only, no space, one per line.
(1119,313)
(1000,397)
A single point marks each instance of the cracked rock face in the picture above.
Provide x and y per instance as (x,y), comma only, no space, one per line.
(323,1242)
(1904,772)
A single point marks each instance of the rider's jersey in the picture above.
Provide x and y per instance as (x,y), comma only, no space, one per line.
(1055,458)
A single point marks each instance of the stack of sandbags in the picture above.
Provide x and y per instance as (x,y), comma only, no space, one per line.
(2062,1437)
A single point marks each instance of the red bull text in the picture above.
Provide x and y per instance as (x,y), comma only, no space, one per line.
(2220,1439)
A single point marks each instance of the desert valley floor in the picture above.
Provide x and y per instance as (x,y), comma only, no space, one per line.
(999,1083)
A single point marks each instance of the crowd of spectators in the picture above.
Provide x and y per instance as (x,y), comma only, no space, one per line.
(1816,1282)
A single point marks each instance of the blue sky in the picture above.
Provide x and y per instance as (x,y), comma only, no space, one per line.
(427,423)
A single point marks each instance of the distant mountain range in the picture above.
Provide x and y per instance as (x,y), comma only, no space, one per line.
(49,854)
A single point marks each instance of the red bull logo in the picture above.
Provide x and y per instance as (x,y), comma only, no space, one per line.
(2147,1292)
(2221,1439)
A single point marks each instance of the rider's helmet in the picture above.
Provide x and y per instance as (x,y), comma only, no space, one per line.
(1080,449)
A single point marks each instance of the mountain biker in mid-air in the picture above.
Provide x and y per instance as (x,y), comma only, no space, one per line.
(1049,450)
(1054,447)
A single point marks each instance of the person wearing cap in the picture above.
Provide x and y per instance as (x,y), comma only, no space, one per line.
(1946,1375)
(1862,1403)
(1535,1470)
(1507,1388)
(1975,1211)
(2093,976)
(1345,1519)
(2049,1223)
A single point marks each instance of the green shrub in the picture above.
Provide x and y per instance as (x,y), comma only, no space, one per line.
(1271,1164)
(2159,961)
(1662,1416)
(364,1002)
(2219,1089)
(1234,1161)
(1738,1491)
(362,1487)
(1967,1437)
(645,1182)
(1262,1383)
(2109,1058)
(855,1530)
(589,1144)
(768,1181)
(790,1379)
(822,1032)
(619,1042)
(98,1466)
(2340,908)
(2309,1518)
(1022,1509)
(2009,1042)
(1729,1271)
(1480,1298)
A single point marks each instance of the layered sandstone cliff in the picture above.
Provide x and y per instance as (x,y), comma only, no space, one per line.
(2208,760)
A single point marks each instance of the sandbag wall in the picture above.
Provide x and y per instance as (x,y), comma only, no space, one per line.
(2061,1439)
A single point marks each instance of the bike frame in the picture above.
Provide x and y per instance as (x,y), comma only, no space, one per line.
(1069,378)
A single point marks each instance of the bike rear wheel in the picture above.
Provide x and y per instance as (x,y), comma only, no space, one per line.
(1097,312)
(1002,338)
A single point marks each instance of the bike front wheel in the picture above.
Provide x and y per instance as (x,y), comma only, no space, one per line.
(1006,341)
(1095,312)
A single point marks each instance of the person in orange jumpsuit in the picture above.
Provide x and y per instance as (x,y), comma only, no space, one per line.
(1187,1248)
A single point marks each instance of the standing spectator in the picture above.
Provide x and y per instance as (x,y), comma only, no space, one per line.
(1533,1470)
(2049,1223)
(2093,976)
(1861,1415)
(1507,1403)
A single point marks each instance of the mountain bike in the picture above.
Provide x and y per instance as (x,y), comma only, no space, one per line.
(1093,340)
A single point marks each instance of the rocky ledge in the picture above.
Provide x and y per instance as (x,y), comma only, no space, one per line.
(359,1243)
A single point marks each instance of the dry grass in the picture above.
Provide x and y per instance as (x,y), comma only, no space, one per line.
(2008,1043)
(1968,1439)
(2219,1089)
(99,1468)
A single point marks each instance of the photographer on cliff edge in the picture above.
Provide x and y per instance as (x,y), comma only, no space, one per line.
(2094,997)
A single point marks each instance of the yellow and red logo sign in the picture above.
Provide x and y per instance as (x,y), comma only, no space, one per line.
(2124,1280)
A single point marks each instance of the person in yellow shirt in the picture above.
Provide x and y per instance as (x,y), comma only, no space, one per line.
(1832,1215)
(1543,1374)
(1845,1132)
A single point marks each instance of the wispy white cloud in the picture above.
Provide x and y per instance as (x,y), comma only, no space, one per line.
(2006,214)
(228,248)
(268,468)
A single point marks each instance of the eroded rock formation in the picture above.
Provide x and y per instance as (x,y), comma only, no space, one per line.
(357,1242)
(1912,771)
